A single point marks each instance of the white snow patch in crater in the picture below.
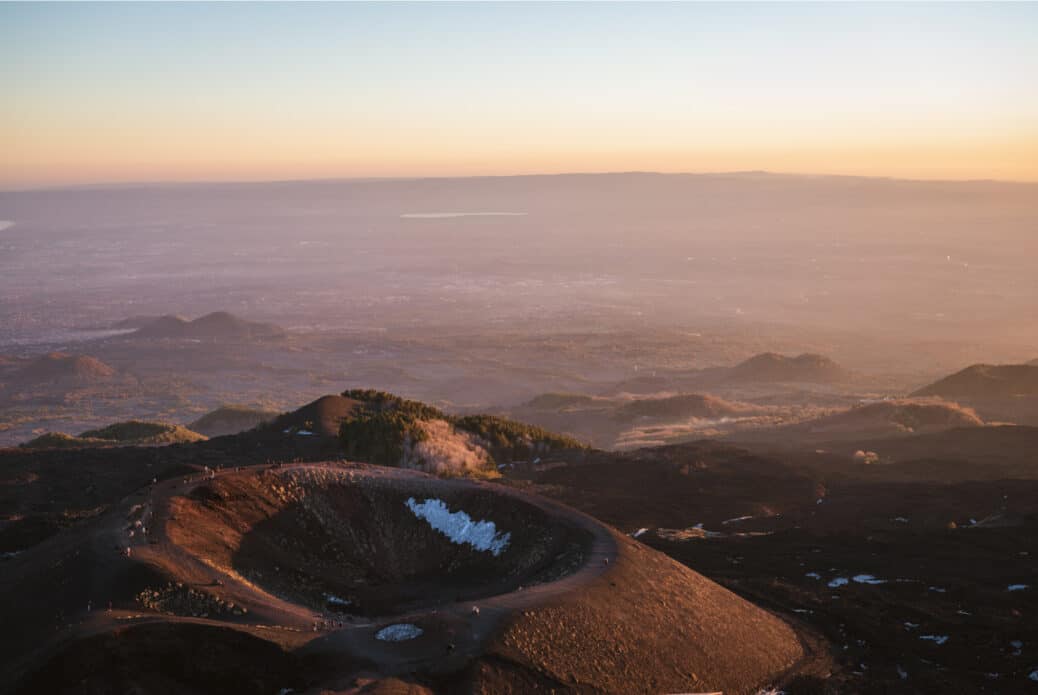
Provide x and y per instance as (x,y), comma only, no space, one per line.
(1017,587)
(839,581)
(868,579)
(939,639)
(639,533)
(398,632)
(459,526)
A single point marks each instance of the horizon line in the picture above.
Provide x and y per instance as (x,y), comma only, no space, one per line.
(177,183)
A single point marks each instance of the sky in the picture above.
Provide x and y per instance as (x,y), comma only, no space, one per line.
(101,93)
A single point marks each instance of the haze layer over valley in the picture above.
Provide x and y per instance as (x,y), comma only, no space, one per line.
(414,286)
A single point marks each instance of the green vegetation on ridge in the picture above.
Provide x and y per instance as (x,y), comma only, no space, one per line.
(384,424)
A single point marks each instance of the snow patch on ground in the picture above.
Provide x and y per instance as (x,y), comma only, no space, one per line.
(839,581)
(1017,587)
(939,639)
(813,575)
(459,526)
(639,533)
(868,579)
(399,632)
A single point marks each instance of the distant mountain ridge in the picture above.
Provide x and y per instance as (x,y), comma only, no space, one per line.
(216,325)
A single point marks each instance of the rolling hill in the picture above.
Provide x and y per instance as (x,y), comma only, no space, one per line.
(129,433)
(881,419)
(682,406)
(62,368)
(218,325)
(773,367)
(984,381)
(230,419)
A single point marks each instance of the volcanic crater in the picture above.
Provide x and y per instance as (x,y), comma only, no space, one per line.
(373,545)
(350,569)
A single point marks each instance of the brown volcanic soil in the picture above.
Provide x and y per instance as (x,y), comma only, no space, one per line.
(646,626)
(620,619)
(888,521)
(43,491)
